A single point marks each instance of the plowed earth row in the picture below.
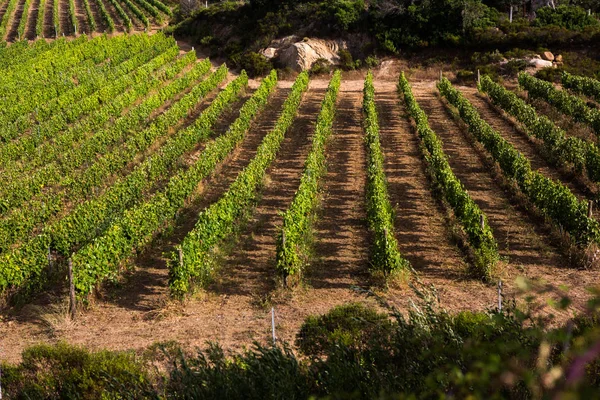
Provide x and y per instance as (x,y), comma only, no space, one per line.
(66,26)
(236,309)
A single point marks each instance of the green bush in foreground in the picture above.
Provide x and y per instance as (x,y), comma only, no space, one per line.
(352,352)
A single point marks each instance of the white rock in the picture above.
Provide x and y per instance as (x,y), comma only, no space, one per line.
(539,64)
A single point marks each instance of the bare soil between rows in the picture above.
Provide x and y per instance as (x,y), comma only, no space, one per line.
(236,309)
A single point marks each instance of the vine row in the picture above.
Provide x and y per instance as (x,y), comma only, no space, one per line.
(473,220)
(385,254)
(292,243)
(101,259)
(581,154)
(566,103)
(217,221)
(20,221)
(552,198)
(25,264)
(584,85)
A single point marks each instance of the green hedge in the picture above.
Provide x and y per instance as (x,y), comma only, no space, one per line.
(566,103)
(582,84)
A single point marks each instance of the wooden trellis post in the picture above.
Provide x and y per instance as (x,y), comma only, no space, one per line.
(72,304)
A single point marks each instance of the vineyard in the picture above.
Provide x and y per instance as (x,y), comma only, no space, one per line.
(178,201)
(22,20)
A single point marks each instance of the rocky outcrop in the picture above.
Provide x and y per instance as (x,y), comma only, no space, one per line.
(548,56)
(301,55)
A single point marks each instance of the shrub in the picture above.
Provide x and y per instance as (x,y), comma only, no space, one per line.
(255,64)
(372,62)
(321,66)
(346,60)
(65,371)
(570,17)
(550,74)
(465,75)
(513,67)
(352,325)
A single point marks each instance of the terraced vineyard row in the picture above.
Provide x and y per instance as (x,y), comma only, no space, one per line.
(33,19)
(159,172)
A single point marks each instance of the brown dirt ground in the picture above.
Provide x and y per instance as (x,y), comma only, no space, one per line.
(48,20)
(523,242)
(33,14)
(236,309)
(13,24)
(422,230)
(81,16)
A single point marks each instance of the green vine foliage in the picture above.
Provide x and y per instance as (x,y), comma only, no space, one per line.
(101,259)
(552,198)
(108,21)
(137,12)
(580,153)
(566,103)
(385,255)
(151,9)
(26,262)
(24,18)
(32,104)
(162,7)
(23,186)
(39,24)
(480,238)
(584,85)
(122,14)
(72,16)
(89,16)
(292,243)
(218,221)
(19,222)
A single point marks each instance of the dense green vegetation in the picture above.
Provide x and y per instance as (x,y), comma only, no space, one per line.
(240,30)
(385,254)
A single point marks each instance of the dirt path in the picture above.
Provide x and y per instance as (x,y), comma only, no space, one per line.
(422,229)
(12,33)
(81,16)
(505,127)
(523,242)
(249,271)
(66,27)
(49,31)
(341,233)
(34,9)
